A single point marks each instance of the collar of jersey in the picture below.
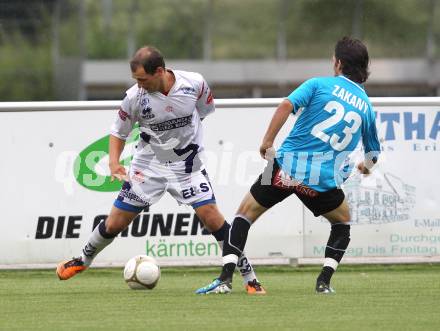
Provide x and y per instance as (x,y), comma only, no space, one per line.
(172,87)
(354,83)
(175,82)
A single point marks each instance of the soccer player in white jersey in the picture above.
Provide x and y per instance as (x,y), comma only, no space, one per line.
(312,161)
(168,105)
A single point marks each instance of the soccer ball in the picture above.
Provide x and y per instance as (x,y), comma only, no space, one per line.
(142,272)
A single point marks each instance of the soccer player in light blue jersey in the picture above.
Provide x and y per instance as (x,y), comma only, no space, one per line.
(334,115)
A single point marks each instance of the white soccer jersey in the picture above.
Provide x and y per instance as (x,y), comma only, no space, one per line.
(170,122)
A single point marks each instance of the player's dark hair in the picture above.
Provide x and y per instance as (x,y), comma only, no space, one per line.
(149,58)
(354,58)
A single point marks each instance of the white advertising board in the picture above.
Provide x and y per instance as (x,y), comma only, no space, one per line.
(56,188)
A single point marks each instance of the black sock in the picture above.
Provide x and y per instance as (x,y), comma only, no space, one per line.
(336,246)
(326,274)
(234,243)
(221,233)
(235,239)
(227,271)
(338,241)
(103,231)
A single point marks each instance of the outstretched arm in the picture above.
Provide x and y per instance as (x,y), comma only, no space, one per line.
(116,147)
(279,118)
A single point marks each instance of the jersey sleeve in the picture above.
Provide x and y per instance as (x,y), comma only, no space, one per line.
(369,136)
(205,100)
(124,121)
(302,95)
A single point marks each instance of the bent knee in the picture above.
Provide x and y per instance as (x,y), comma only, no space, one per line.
(250,208)
(208,211)
(114,224)
(210,216)
(345,218)
(114,229)
(338,217)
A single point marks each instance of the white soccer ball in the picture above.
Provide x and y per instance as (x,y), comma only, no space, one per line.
(142,272)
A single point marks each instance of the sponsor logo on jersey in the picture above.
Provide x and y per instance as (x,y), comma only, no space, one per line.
(123,115)
(145,102)
(146,112)
(188,90)
(172,124)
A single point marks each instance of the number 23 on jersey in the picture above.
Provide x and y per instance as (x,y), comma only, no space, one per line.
(352,119)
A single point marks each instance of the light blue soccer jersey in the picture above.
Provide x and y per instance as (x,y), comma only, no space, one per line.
(336,114)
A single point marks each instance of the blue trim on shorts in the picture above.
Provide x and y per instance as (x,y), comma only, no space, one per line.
(202,203)
(127,207)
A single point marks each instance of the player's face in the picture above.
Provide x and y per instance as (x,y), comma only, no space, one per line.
(151,83)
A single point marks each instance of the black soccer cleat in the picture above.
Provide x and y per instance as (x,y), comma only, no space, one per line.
(323,288)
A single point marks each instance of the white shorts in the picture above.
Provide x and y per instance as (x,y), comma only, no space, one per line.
(146,186)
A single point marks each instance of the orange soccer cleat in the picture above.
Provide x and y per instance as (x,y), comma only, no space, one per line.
(68,269)
(254,287)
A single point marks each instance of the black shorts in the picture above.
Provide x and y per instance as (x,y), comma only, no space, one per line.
(275,187)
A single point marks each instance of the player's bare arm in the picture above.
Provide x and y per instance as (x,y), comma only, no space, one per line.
(117,170)
(279,118)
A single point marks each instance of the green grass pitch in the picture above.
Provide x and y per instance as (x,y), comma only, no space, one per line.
(405,297)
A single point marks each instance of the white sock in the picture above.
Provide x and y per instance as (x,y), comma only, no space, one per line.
(243,265)
(95,244)
(230,258)
(332,263)
(246,269)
